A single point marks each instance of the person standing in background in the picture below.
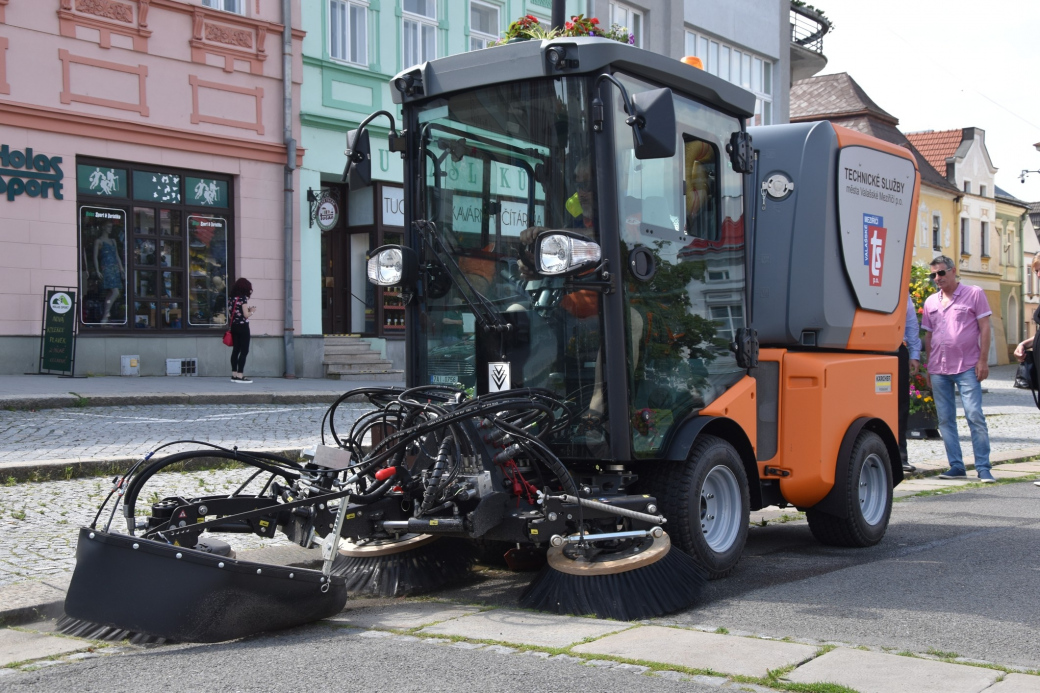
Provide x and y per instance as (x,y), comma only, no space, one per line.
(956,324)
(909,363)
(238,314)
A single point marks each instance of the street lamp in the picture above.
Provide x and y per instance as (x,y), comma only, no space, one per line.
(1022,176)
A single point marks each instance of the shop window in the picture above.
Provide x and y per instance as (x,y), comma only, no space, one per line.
(154,247)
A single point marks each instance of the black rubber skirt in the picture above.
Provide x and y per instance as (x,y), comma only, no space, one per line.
(185,595)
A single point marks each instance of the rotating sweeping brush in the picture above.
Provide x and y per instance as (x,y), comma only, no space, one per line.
(648,580)
(413,564)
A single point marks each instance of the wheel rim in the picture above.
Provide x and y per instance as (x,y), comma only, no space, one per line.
(720,508)
(872,490)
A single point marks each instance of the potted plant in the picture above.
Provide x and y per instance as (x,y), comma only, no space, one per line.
(923,421)
(528,27)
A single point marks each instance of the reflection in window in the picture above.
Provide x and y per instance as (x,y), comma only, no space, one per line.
(144,221)
(170,222)
(103,265)
(236,6)
(207,270)
(686,211)
(173,284)
(170,253)
(144,314)
(144,283)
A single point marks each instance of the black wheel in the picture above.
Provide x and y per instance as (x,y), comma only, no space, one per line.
(867,496)
(706,503)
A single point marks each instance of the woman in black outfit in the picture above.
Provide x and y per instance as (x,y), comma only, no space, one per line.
(1030,348)
(238,314)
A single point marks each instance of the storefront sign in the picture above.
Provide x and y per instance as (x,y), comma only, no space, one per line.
(207,193)
(327,215)
(25,172)
(393,206)
(57,350)
(105,182)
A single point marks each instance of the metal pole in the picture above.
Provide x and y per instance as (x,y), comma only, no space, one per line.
(290,166)
(559,13)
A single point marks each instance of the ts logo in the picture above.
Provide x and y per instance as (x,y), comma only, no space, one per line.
(874,237)
(498,376)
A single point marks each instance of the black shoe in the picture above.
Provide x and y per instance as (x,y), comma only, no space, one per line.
(909,468)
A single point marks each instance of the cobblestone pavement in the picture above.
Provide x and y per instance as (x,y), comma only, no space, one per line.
(1011,416)
(103,432)
(39,522)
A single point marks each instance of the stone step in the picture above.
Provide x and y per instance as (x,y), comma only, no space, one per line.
(374,367)
(339,340)
(369,357)
(359,348)
(386,376)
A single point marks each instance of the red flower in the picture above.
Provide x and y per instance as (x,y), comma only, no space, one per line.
(594,20)
(569,25)
(533,18)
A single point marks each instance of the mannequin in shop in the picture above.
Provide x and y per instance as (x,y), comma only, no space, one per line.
(109,268)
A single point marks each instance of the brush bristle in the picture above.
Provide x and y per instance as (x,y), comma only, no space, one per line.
(88,630)
(423,569)
(675,582)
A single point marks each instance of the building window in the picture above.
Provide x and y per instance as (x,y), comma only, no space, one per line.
(982,190)
(348,31)
(236,6)
(965,236)
(153,247)
(1009,247)
(483,25)
(984,244)
(936,232)
(749,71)
(727,319)
(967,186)
(419,31)
(629,18)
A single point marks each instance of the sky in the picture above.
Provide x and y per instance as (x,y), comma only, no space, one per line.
(948,65)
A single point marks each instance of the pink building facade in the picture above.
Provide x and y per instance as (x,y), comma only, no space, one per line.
(142,164)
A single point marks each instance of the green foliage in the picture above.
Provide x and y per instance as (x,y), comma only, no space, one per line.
(920,287)
(528,27)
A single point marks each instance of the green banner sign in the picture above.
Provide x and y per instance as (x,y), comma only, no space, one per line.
(58,349)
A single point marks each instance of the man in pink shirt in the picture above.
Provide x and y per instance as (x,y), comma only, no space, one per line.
(956,324)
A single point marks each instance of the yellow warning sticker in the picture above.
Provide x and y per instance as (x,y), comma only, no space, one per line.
(883,383)
(264,523)
(351,516)
(433,522)
(534,531)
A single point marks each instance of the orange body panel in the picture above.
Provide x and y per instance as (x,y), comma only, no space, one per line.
(739,404)
(821,395)
(877,331)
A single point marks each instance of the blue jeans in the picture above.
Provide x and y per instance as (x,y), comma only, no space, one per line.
(946,406)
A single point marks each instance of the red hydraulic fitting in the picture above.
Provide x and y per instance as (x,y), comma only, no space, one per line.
(386,473)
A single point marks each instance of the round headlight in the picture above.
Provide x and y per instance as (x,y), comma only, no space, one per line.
(555,254)
(386,268)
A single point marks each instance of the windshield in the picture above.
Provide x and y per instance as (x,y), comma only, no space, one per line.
(500,162)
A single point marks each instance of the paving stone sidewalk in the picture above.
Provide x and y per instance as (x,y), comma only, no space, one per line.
(730,662)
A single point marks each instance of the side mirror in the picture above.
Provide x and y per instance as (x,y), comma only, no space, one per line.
(358,173)
(653,127)
(393,265)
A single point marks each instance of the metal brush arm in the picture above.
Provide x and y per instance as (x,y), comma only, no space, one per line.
(559,540)
(606,507)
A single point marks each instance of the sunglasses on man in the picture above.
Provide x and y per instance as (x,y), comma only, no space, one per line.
(939,273)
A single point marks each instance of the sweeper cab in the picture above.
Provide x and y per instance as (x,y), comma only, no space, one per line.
(630,321)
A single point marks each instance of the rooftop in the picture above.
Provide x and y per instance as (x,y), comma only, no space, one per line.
(937,145)
(825,97)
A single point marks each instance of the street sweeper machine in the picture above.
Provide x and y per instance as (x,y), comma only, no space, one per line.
(631,320)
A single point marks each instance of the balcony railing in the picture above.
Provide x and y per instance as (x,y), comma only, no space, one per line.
(808,28)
